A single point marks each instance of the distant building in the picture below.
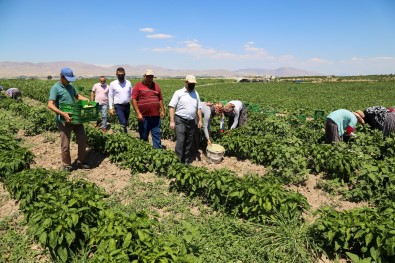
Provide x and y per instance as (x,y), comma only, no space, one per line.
(266,78)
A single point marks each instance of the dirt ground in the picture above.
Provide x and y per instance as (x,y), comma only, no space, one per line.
(113,179)
(46,148)
(8,207)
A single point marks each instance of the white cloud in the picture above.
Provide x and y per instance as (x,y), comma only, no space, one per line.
(159,36)
(194,48)
(250,48)
(251,55)
(147,29)
(383,58)
(354,60)
(319,61)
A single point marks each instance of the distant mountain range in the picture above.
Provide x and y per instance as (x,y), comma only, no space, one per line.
(45,69)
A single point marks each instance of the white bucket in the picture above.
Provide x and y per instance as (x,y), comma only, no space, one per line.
(215,153)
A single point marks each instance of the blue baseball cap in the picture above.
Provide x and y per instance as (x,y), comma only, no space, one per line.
(68,74)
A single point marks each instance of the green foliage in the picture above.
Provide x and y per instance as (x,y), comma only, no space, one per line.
(13,158)
(288,239)
(367,232)
(277,136)
(128,238)
(16,244)
(40,119)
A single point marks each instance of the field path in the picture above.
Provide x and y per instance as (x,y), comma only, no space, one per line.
(46,148)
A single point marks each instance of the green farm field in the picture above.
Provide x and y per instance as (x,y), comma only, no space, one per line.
(284,96)
(280,195)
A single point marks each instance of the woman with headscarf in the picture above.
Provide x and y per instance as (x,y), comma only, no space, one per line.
(342,123)
(382,118)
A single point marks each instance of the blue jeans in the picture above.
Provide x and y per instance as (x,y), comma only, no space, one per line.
(151,124)
(123,112)
(103,110)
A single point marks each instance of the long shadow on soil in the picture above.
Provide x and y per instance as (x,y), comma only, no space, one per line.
(94,159)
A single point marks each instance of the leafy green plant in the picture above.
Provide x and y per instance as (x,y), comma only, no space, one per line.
(288,239)
(366,232)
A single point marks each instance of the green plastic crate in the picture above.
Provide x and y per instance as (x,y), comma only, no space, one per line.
(319,114)
(81,111)
(302,117)
(253,107)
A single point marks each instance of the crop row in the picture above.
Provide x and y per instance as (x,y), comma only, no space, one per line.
(72,217)
(290,148)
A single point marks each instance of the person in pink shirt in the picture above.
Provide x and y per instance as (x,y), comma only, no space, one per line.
(100,95)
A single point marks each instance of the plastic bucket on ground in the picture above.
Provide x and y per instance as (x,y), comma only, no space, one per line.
(215,153)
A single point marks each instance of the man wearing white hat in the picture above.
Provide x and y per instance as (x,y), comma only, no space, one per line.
(147,102)
(184,108)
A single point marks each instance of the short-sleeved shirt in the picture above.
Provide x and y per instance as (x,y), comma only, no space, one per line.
(343,118)
(185,103)
(11,91)
(101,93)
(375,116)
(147,98)
(62,94)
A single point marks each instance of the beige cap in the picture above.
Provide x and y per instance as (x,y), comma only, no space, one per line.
(190,79)
(149,72)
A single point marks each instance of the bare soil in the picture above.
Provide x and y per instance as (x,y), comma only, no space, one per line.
(46,148)
(113,179)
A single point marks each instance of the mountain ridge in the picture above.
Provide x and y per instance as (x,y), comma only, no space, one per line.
(9,69)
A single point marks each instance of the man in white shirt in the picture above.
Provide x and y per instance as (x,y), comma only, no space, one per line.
(119,97)
(184,107)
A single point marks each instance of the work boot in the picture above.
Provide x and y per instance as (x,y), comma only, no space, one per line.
(82,165)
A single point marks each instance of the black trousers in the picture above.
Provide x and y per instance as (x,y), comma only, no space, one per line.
(185,132)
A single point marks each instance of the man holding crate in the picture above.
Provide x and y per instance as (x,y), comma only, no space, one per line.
(63,92)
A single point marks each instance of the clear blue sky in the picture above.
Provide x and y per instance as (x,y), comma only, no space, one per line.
(354,37)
